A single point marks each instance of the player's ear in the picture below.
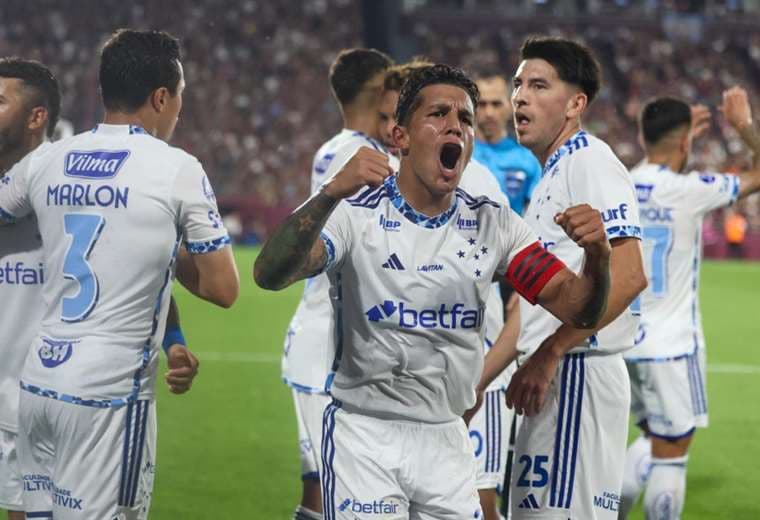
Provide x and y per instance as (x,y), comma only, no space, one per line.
(159,98)
(38,118)
(401,139)
(576,105)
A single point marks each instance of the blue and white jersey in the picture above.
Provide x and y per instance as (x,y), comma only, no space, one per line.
(112,206)
(478,181)
(22,274)
(409,294)
(309,347)
(672,207)
(584,170)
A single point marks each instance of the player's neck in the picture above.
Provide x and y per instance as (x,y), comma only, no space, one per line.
(567,132)
(13,156)
(418,195)
(670,160)
(134,119)
(362,121)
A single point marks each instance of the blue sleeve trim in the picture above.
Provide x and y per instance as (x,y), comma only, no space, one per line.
(735,189)
(313,475)
(6,216)
(173,336)
(623,232)
(330,251)
(209,246)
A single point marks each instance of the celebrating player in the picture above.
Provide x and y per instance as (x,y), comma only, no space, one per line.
(667,367)
(408,340)
(356,78)
(571,385)
(86,415)
(30,102)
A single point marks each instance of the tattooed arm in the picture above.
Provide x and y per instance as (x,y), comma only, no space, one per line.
(294,251)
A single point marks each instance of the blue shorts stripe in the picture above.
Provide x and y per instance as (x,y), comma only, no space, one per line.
(140,446)
(328,455)
(125,457)
(700,385)
(489,432)
(132,454)
(558,436)
(497,398)
(577,428)
(568,426)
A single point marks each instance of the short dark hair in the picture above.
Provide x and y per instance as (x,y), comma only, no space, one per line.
(135,63)
(352,69)
(41,85)
(662,115)
(409,99)
(396,76)
(573,61)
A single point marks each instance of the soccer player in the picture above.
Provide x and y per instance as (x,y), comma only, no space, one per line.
(86,438)
(356,80)
(30,102)
(667,366)
(513,165)
(571,386)
(409,340)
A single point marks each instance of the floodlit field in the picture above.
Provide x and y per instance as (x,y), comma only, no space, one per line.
(227,450)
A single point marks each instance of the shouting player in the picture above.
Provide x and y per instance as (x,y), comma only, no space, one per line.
(667,367)
(408,340)
(356,79)
(86,436)
(571,385)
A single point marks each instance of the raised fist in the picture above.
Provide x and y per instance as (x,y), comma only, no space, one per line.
(367,167)
(736,107)
(584,225)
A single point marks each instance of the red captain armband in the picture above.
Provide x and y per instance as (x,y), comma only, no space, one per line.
(531,270)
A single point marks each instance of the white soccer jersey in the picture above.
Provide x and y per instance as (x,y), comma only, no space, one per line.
(309,346)
(21,277)
(409,295)
(478,180)
(112,205)
(672,207)
(584,170)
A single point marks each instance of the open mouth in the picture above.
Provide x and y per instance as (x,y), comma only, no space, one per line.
(450,153)
(521,119)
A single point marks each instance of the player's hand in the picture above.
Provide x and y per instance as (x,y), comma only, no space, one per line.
(527,390)
(183,367)
(584,225)
(736,108)
(700,120)
(469,414)
(367,167)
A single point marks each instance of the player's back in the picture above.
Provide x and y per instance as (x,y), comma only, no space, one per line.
(672,207)
(108,213)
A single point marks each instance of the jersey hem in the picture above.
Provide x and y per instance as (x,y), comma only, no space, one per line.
(304,389)
(660,359)
(81,401)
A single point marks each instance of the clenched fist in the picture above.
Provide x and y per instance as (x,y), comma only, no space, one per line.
(584,225)
(367,167)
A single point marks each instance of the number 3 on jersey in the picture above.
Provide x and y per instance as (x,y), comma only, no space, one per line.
(84,230)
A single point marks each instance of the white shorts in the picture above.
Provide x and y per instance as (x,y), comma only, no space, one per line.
(85,463)
(569,458)
(489,433)
(310,410)
(670,396)
(377,468)
(10,475)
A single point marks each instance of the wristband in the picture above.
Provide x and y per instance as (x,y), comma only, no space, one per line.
(173,336)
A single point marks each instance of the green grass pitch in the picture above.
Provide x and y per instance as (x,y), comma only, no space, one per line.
(228,450)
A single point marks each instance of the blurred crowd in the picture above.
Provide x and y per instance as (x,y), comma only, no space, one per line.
(257,104)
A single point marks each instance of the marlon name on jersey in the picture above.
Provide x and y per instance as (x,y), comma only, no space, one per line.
(91,165)
(456,317)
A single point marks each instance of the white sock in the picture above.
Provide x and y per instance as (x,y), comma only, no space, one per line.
(637,465)
(666,489)
(306,514)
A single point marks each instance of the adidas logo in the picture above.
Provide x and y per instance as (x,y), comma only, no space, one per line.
(529,502)
(394,263)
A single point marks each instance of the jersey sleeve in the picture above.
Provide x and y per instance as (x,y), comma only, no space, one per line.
(599,179)
(14,193)
(198,216)
(336,236)
(708,191)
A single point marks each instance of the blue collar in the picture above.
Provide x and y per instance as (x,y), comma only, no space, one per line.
(562,151)
(394,194)
(118,129)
